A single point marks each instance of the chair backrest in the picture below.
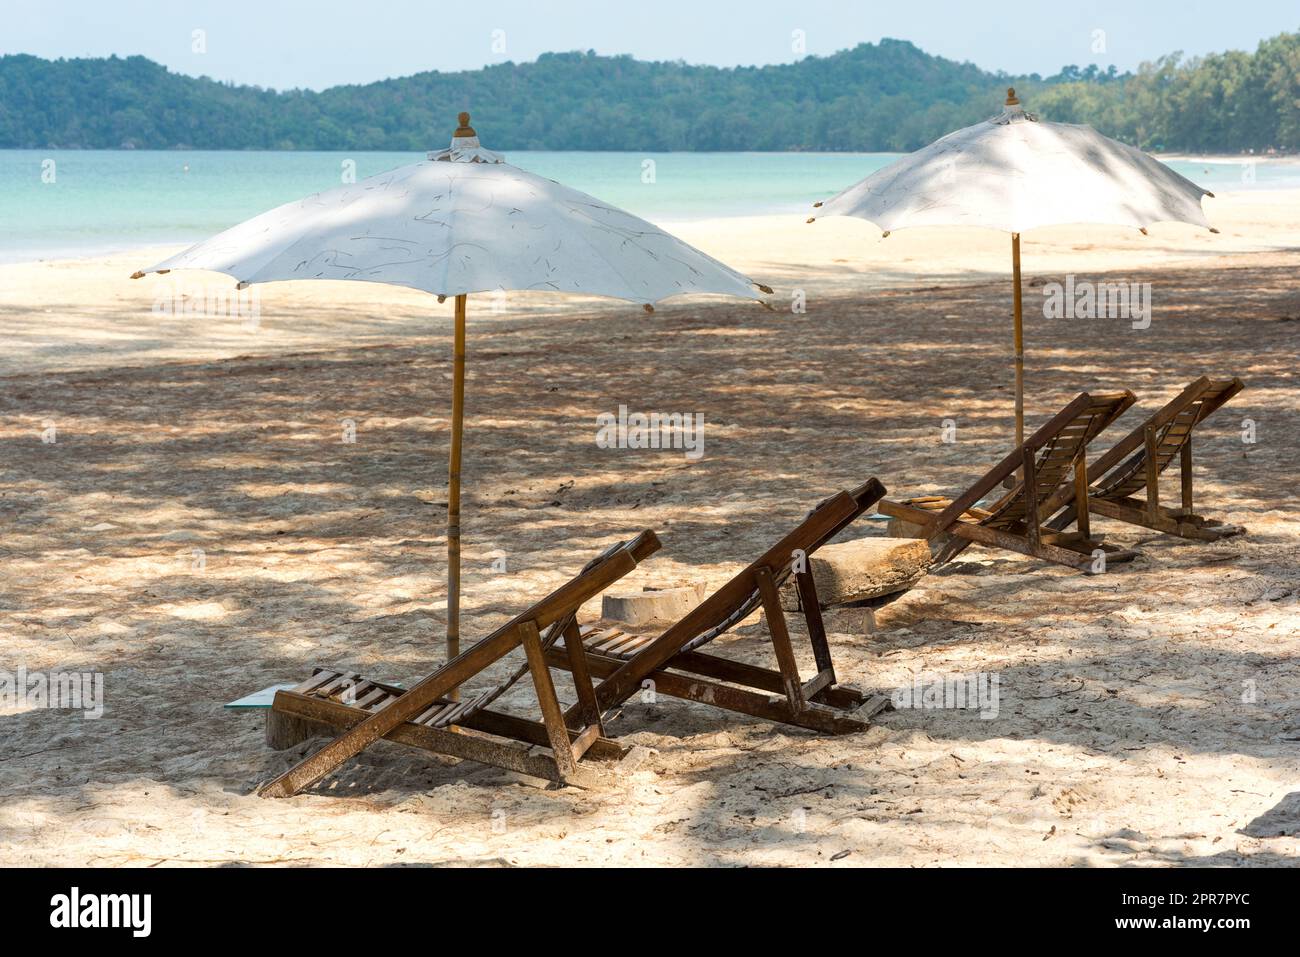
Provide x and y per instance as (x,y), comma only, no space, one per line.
(1055,459)
(736,599)
(597,575)
(1173,426)
(1056,446)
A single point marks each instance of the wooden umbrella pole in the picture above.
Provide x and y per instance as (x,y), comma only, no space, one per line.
(453,487)
(1020,340)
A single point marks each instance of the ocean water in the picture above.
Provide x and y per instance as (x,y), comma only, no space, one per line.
(58,204)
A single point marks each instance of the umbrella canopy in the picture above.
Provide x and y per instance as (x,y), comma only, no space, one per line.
(1014,172)
(463,221)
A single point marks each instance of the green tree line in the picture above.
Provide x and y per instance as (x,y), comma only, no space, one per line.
(889,96)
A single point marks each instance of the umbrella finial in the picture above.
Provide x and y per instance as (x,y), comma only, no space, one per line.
(1011,97)
(465,147)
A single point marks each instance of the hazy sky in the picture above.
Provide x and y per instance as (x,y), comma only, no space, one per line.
(292,43)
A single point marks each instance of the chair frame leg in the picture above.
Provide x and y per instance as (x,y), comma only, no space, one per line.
(780,636)
(588,706)
(1153,472)
(552,715)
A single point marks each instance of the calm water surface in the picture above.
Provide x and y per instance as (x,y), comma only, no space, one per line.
(59,203)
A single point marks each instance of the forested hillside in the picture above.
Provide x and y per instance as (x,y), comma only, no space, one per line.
(886,96)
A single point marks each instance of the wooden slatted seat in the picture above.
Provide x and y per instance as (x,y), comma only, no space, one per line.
(1015,521)
(556,748)
(1124,483)
(613,643)
(672,663)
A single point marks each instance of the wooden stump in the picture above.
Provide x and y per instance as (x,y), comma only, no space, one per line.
(637,608)
(865,568)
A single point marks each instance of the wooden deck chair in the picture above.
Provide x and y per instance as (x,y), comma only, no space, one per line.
(1124,483)
(1015,521)
(424,717)
(676,667)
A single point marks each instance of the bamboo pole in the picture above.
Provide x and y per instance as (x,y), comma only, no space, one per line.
(453,487)
(1020,340)
(1013,100)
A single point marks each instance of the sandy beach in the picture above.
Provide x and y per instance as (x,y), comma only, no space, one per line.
(199,530)
(78,314)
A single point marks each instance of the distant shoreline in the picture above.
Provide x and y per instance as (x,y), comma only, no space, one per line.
(719,225)
(1289,159)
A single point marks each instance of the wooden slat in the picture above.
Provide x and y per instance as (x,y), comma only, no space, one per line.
(331,688)
(355,691)
(321,676)
(609,639)
(431,712)
(373,696)
(628,645)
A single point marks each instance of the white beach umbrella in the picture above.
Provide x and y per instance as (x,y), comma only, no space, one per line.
(463,221)
(1014,172)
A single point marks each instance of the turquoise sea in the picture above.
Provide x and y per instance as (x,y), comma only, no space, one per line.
(60,204)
